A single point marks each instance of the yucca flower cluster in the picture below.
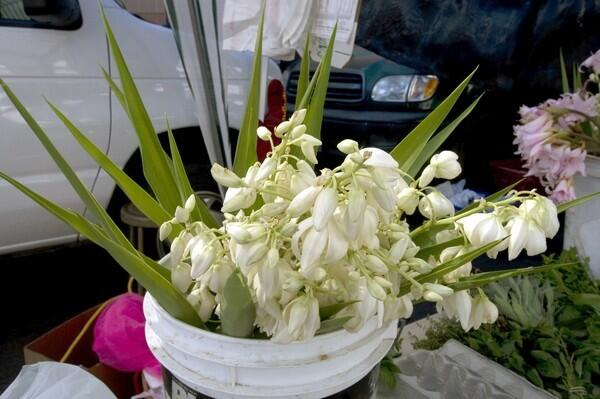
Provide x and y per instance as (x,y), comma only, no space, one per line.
(304,241)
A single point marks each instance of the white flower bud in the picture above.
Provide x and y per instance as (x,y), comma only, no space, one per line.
(378,158)
(237,232)
(297,132)
(446,165)
(182,215)
(165,230)
(298,117)
(190,203)
(543,211)
(408,200)
(298,312)
(457,305)
(282,128)
(483,311)
(356,157)
(348,146)
(376,290)
(265,170)
(225,177)
(274,208)
(238,198)
(202,257)
(293,282)
(177,248)
(435,205)
(180,277)
(426,176)
(309,152)
(218,277)
(432,296)
(357,203)
(325,204)
(289,229)
(263,133)
(439,289)
(303,201)
(398,249)
(482,228)
(382,282)
(268,275)
(376,265)
(525,233)
(203,301)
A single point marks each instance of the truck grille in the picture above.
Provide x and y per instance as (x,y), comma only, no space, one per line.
(343,86)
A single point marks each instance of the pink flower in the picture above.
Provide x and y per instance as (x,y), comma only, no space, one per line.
(563,192)
(593,62)
(571,162)
(530,113)
(584,108)
(532,134)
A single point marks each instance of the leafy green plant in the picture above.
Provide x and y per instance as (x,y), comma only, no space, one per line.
(548,330)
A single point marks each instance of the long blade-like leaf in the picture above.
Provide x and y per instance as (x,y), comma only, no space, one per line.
(406,152)
(435,250)
(116,90)
(441,270)
(492,197)
(563,74)
(136,194)
(577,201)
(314,111)
(154,160)
(245,150)
(326,312)
(480,279)
(310,88)
(436,141)
(303,77)
(331,325)
(201,211)
(84,193)
(576,78)
(147,275)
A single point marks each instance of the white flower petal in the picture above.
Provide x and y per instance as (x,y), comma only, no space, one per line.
(325,204)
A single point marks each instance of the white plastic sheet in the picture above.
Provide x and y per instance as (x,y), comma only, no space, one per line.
(52,380)
(286,25)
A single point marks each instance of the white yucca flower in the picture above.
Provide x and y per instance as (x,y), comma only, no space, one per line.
(434,206)
(302,239)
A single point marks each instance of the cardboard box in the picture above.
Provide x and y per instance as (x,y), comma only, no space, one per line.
(52,346)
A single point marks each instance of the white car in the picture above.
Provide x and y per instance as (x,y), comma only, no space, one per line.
(55,49)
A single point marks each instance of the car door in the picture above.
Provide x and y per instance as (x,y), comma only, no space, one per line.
(54,49)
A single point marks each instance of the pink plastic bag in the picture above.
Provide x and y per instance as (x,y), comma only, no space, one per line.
(119,339)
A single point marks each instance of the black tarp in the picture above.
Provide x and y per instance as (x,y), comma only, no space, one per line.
(515,43)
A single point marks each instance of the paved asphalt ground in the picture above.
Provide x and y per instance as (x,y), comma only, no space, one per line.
(44,288)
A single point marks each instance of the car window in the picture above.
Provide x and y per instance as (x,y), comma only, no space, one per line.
(45,14)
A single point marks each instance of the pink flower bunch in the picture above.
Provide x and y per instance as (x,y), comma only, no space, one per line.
(542,140)
(550,137)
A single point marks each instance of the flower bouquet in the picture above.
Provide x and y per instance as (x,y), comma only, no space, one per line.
(324,262)
(555,137)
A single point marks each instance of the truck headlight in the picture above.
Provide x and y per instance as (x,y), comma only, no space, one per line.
(405,88)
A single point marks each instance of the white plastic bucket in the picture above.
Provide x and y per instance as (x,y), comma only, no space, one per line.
(582,223)
(225,367)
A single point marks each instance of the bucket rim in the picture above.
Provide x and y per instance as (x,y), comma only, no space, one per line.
(226,338)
